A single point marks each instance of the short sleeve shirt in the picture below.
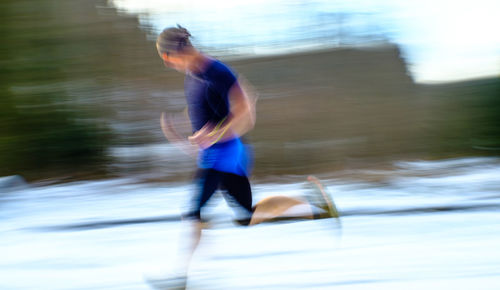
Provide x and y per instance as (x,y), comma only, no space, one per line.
(207,94)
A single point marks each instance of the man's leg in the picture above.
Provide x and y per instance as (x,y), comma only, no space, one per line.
(268,209)
(208,182)
(284,207)
(281,208)
(238,187)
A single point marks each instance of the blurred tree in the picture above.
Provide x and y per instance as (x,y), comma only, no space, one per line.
(470,119)
(43,131)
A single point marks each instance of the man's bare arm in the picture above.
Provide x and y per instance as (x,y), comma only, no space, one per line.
(168,128)
(241,119)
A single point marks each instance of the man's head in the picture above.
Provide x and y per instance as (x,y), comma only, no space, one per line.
(174,47)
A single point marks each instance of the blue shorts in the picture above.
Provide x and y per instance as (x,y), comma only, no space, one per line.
(231,156)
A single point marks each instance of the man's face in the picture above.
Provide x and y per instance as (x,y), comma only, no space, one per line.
(175,61)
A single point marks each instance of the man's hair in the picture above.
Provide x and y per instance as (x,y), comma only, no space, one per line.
(173,39)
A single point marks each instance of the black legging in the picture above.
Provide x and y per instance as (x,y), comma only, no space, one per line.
(236,186)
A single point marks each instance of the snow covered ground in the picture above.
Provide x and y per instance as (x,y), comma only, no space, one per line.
(432,225)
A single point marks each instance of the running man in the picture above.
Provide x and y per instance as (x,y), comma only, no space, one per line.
(221,110)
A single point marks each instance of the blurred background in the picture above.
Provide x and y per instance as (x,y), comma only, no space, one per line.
(342,83)
(394,104)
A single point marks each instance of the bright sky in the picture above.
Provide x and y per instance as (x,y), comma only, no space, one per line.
(442,40)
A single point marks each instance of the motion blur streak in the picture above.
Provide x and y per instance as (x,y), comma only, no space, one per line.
(392,104)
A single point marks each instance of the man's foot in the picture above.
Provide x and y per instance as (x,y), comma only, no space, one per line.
(322,200)
(167,283)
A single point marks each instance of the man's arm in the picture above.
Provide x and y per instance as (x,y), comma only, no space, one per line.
(168,128)
(241,118)
(242,99)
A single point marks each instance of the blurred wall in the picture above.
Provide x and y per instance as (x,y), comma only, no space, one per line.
(79,78)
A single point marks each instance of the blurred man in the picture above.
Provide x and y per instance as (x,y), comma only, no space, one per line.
(221,110)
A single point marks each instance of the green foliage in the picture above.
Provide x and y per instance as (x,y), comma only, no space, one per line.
(469,123)
(43,131)
(38,139)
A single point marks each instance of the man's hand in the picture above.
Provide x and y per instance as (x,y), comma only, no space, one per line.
(168,128)
(210,134)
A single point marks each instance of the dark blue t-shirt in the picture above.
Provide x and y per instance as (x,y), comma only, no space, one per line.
(207,94)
